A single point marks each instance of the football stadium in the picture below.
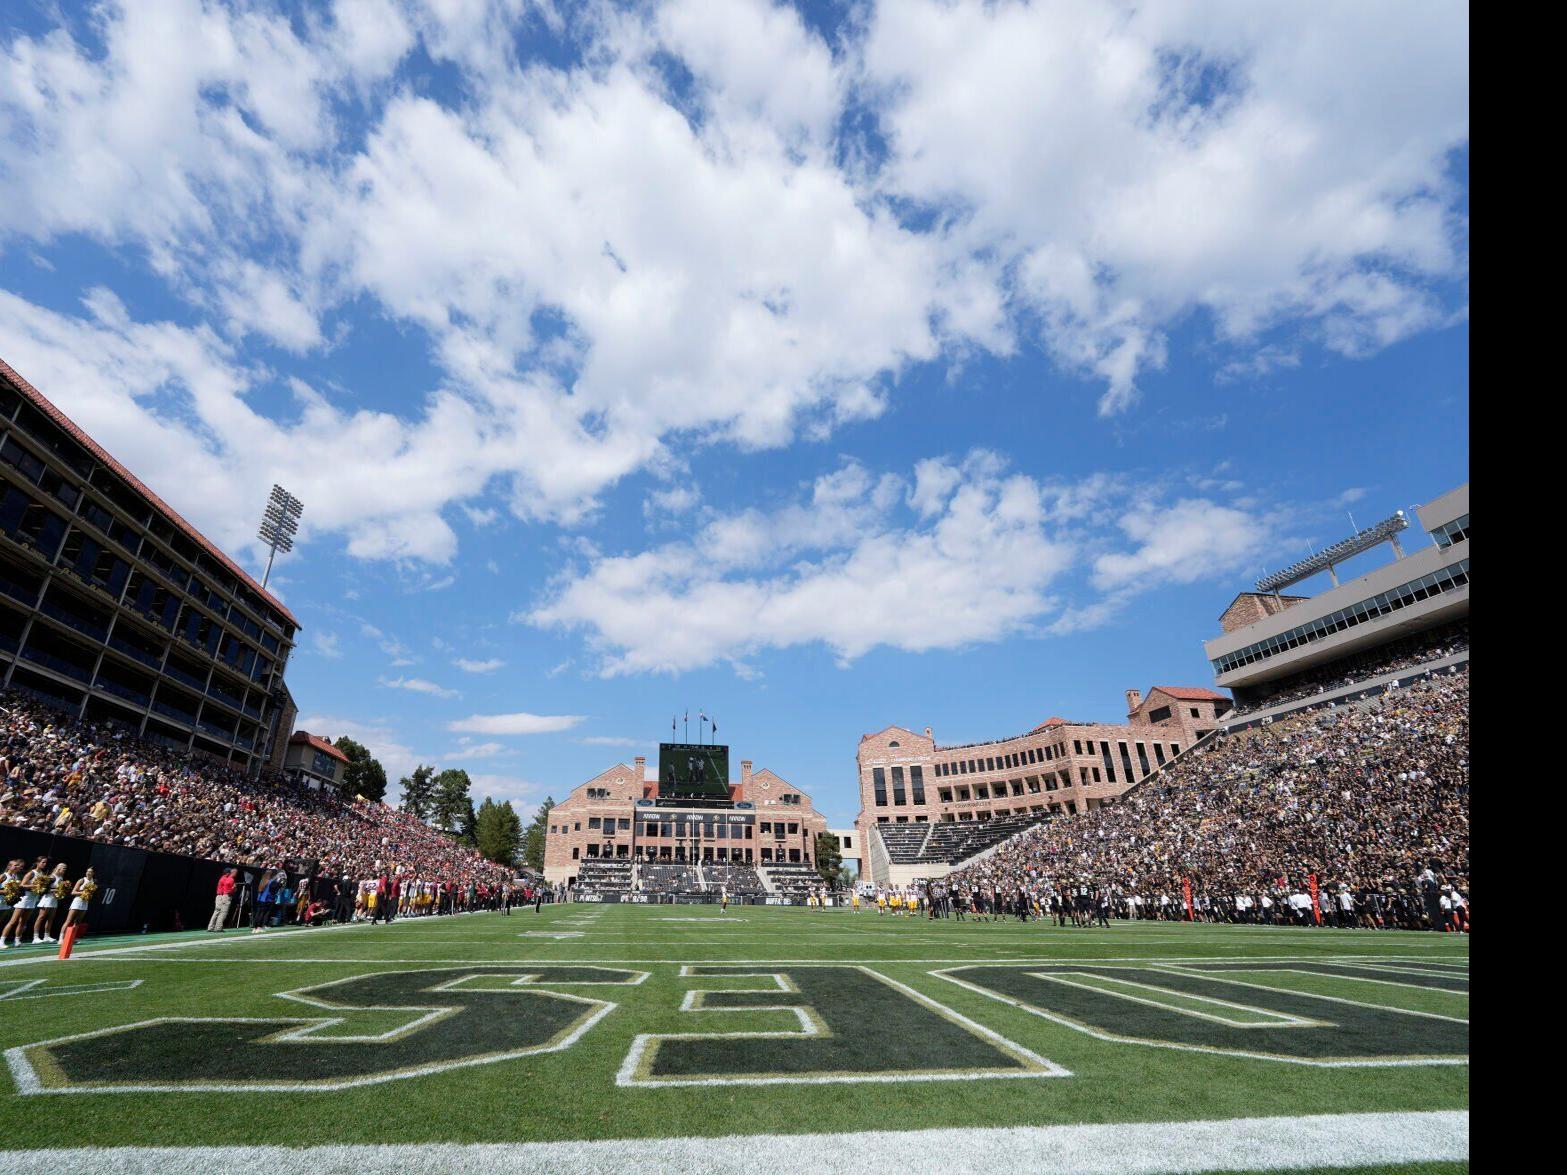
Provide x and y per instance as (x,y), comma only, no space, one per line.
(1041,429)
(1217,926)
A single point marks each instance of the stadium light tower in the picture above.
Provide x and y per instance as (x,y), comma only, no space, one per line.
(279,525)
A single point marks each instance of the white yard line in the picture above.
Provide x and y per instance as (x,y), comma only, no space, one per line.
(1136,1148)
(776,960)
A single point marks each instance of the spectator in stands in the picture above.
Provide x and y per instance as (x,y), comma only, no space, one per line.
(1360,795)
(97,781)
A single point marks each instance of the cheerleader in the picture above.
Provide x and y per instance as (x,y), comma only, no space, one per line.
(11,890)
(34,882)
(57,887)
(81,897)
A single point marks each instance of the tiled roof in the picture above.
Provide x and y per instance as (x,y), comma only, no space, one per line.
(305,738)
(1191,693)
(44,405)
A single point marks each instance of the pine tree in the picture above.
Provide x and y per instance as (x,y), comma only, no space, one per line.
(497,832)
(451,808)
(363,775)
(419,791)
(533,842)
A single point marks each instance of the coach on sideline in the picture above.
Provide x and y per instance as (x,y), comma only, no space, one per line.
(220,908)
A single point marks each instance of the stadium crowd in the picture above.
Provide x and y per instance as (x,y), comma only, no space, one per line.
(99,782)
(1345,672)
(1370,799)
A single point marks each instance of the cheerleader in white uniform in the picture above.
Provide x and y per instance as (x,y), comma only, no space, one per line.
(11,890)
(81,898)
(34,882)
(57,888)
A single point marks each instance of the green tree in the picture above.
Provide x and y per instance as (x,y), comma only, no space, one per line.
(451,805)
(419,791)
(497,831)
(533,839)
(829,857)
(364,775)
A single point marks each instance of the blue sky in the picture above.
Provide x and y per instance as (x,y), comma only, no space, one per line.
(934,363)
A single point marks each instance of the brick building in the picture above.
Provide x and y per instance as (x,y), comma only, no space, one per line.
(313,761)
(621,815)
(906,778)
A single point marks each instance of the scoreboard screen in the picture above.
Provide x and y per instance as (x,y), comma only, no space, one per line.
(693,771)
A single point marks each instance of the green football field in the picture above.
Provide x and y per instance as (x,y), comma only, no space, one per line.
(679,1038)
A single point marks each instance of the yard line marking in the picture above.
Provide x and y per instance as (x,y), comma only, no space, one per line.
(25,988)
(1130,1148)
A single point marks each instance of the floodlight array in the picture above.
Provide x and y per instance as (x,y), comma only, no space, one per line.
(280,520)
(1364,540)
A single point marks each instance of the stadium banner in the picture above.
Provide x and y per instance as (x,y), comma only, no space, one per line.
(1316,898)
(118,871)
(1186,892)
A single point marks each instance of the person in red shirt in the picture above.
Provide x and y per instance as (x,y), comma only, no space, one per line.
(220,907)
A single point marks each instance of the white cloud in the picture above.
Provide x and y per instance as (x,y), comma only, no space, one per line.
(469,749)
(965,552)
(521,723)
(419,686)
(673,501)
(719,263)
(1181,542)
(325,644)
(471,666)
(523,795)
(1137,163)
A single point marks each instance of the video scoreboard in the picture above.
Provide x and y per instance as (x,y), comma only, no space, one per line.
(697,771)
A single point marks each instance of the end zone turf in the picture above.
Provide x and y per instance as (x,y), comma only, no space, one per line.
(657,1037)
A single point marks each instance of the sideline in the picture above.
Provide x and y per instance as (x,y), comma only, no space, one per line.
(1135,1148)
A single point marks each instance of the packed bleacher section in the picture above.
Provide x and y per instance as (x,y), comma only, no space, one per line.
(1419,649)
(601,876)
(97,781)
(794,880)
(736,879)
(669,879)
(1365,796)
